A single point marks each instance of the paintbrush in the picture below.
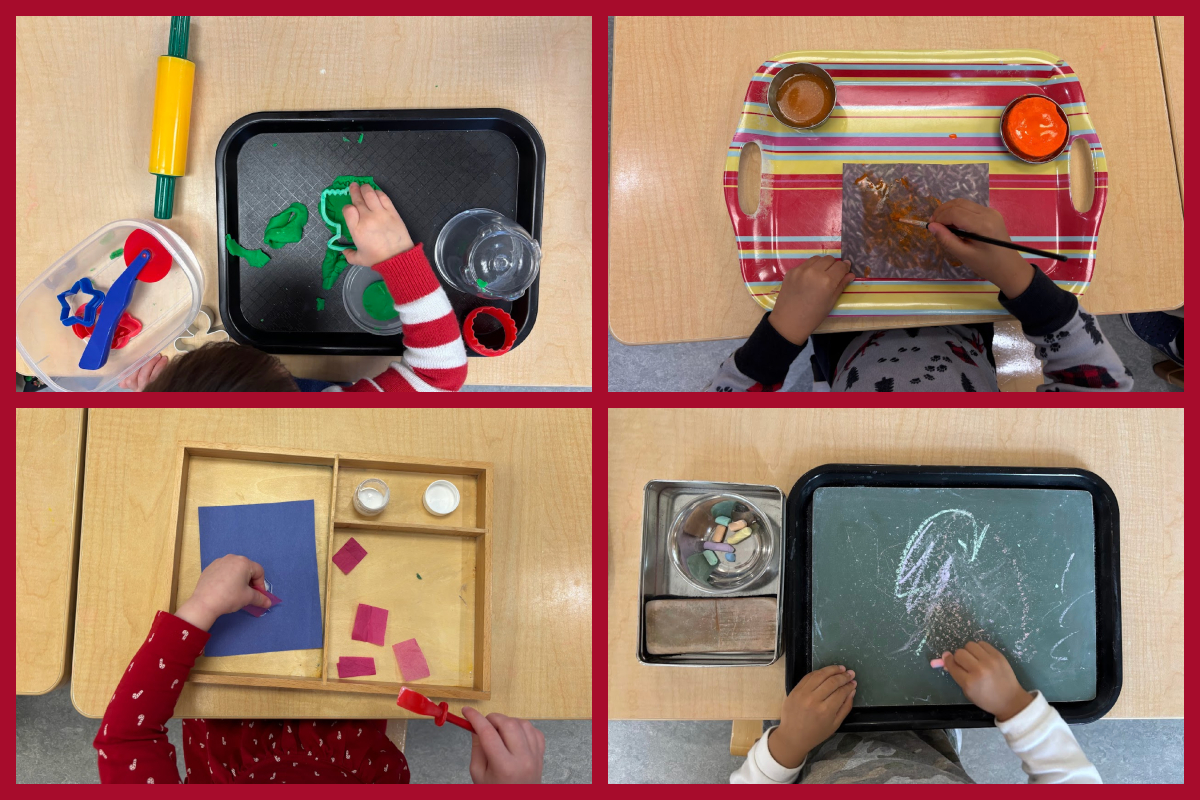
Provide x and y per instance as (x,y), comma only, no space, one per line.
(989,240)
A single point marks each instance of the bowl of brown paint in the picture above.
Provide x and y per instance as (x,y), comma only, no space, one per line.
(1034,128)
(802,96)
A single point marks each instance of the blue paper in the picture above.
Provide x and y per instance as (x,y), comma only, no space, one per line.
(281,537)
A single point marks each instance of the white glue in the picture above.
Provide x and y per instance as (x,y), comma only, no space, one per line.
(370,498)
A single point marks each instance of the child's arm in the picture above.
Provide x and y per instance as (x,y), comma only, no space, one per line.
(504,749)
(1033,729)
(806,297)
(1075,355)
(132,744)
(434,359)
(811,714)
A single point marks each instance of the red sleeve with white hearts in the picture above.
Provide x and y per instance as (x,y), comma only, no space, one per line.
(434,358)
(132,745)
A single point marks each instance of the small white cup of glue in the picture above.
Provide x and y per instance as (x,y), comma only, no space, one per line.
(441,497)
(371,497)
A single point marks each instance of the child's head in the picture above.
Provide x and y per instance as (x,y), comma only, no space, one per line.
(224,367)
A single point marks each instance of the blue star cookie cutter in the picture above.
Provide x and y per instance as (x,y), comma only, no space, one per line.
(82,286)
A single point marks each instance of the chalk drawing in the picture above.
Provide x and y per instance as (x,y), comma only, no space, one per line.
(1059,659)
(1073,602)
(1063,583)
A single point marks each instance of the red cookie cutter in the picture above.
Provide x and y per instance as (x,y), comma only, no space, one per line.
(506,322)
(127,328)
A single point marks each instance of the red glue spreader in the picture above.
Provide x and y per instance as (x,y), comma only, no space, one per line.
(420,704)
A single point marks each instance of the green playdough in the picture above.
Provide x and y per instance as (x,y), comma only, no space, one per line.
(320,304)
(120,251)
(255,258)
(334,198)
(378,302)
(331,268)
(286,227)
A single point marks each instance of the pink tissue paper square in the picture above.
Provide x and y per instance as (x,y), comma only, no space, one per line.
(348,556)
(370,623)
(256,611)
(355,666)
(411,660)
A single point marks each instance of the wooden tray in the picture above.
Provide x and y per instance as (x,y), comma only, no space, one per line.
(448,610)
(922,107)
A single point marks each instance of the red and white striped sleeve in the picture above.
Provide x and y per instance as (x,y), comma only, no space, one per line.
(434,358)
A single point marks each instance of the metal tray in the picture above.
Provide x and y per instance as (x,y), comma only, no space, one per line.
(798,566)
(433,163)
(662,501)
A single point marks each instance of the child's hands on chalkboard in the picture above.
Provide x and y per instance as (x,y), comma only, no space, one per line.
(375,226)
(811,713)
(1006,268)
(807,296)
(224,587)
(987,679)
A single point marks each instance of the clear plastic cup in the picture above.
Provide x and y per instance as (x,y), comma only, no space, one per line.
(484,253)
(355,282)
(165,308)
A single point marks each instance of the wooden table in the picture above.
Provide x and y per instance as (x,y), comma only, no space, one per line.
(49,467)
(1170,47)
(1138,452)
(541,555)
(85,90)
(672,259)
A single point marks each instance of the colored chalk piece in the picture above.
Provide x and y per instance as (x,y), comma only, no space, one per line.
(724,509)
(699,567)
(737,525)
(710,556)
(722,520)
(731,556)
(937,663)
(739,536)
(370,623)
(349,555)
(724,548)
(411,660)
(355,666)
(719,533)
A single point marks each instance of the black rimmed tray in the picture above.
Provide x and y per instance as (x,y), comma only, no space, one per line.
(433,163)
(797,633)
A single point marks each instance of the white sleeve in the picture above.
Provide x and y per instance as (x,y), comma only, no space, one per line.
(1048,750)
(760,767)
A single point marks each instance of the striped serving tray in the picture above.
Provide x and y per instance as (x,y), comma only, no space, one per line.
(923,107)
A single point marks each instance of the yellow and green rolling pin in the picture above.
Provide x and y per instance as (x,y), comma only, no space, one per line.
(172,117)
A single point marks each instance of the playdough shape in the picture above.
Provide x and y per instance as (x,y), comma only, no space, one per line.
(349,555)
(334,198)
(411,660)
(257,611)
(286,227)
(255,258)
(331,268)
(355,666)
(115,253)
(282,537)
(320,304)
(370,623)
(378,302)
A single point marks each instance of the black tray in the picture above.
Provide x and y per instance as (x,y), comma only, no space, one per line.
(798,567)
(433,163)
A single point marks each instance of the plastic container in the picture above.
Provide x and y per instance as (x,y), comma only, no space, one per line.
(797,568)
(354,283)
(441,497)
(371,497)
(484,253)
(753,554)
(165,309)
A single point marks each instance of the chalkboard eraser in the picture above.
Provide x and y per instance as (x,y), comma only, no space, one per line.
(937,663)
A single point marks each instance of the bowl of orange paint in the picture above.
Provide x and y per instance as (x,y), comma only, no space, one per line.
(1034,128)
(802,96)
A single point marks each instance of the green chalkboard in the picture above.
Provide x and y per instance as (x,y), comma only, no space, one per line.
(899,575)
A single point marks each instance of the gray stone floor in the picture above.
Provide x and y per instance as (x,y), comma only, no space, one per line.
(689,367)
(1124,751)
(54,745)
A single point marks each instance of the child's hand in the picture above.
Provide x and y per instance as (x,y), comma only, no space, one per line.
(807,296)
(1006,268)
(146,373)
(811,713)
(224,587)
(375,226)
(504,749)
(987,680)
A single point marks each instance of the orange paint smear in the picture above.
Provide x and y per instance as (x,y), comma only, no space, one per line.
(804,100)
(1035,127)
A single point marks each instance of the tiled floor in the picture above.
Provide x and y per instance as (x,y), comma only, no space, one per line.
(1124,751)
(54,745)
